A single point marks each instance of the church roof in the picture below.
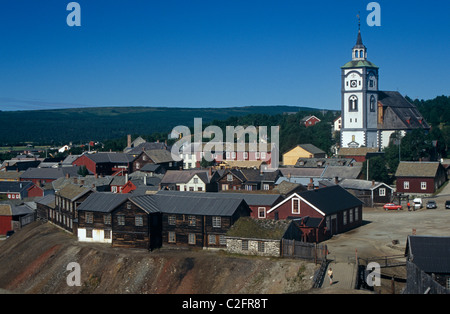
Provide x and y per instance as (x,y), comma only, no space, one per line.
(359,64)
(398,113)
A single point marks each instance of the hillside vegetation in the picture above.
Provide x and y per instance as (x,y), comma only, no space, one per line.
(98,124)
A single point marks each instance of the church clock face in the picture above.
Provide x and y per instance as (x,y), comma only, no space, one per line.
(353,83)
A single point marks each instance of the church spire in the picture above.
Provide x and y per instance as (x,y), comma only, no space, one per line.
(359,51)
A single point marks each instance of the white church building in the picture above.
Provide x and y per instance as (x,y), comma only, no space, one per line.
(370,116)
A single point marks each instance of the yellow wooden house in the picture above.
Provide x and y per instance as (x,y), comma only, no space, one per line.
(302,151)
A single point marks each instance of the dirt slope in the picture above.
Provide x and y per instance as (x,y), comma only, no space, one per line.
(34,260)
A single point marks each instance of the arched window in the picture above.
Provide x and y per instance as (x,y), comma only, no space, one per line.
(372,103)
(353,103)
(361,53)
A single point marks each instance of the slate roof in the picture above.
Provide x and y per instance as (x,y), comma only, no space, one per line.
(331,199)
(197,204)
(398,111)
(48,200)
(103,202)
(429,253)
(110,157)
(341,172)
(49,173)
(252,199)
(15,187)
(417,169)
(356,184)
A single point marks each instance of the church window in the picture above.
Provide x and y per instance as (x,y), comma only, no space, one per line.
(353,103)
(372,103)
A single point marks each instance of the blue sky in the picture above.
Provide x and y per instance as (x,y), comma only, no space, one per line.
(213,53)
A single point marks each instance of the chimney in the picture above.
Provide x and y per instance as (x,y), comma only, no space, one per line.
(336,180)
(67,175)
(373,182)
(129,141)
(145,180)
(311,184)
(126,177)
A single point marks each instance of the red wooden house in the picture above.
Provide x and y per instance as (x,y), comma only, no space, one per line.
(419,177)
(322,212)
(106,163)
(309,121)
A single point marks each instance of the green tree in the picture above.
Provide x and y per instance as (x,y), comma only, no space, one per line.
(83,171)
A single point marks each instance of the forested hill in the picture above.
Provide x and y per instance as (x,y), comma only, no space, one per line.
(86,124)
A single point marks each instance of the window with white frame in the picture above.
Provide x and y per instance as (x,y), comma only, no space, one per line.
(266,187)
(171,237)
(172,220)
(382,191)
(191,238)
(344,218)
(261,212)
(296,206)
(216,222)
(406,185)
(423,185)
(212,239)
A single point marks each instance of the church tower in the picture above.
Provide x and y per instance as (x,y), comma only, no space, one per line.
(359,99)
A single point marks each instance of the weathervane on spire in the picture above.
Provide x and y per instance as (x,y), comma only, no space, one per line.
(359,20)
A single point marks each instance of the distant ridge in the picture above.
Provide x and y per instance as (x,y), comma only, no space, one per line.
(101,123)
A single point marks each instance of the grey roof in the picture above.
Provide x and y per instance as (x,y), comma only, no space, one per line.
(325,199)
(7,186)
(251,199)
(190,203)
(87,181)
(21,210)
(150,167)
(46,200)
(356,184)
(147,202)
(302,172)
(342,172)
(197,204)
(417,169)
(102,202)
(429,253)
(49,173)
(110,157)
(399,113)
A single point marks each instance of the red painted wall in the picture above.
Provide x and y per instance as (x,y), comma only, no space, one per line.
(415,185)
(285,211)
(5,224)
(88,163)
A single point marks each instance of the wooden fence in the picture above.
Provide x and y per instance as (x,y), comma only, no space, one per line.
(305,250)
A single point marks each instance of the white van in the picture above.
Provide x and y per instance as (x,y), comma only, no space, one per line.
(417,203)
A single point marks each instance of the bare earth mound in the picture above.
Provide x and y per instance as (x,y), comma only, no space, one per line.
(35,259)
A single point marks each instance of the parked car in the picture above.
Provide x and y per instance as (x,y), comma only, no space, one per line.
(447,204)
(392,206)
(417,203)
(431,204)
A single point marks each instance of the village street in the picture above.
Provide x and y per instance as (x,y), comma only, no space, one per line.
(383,233)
